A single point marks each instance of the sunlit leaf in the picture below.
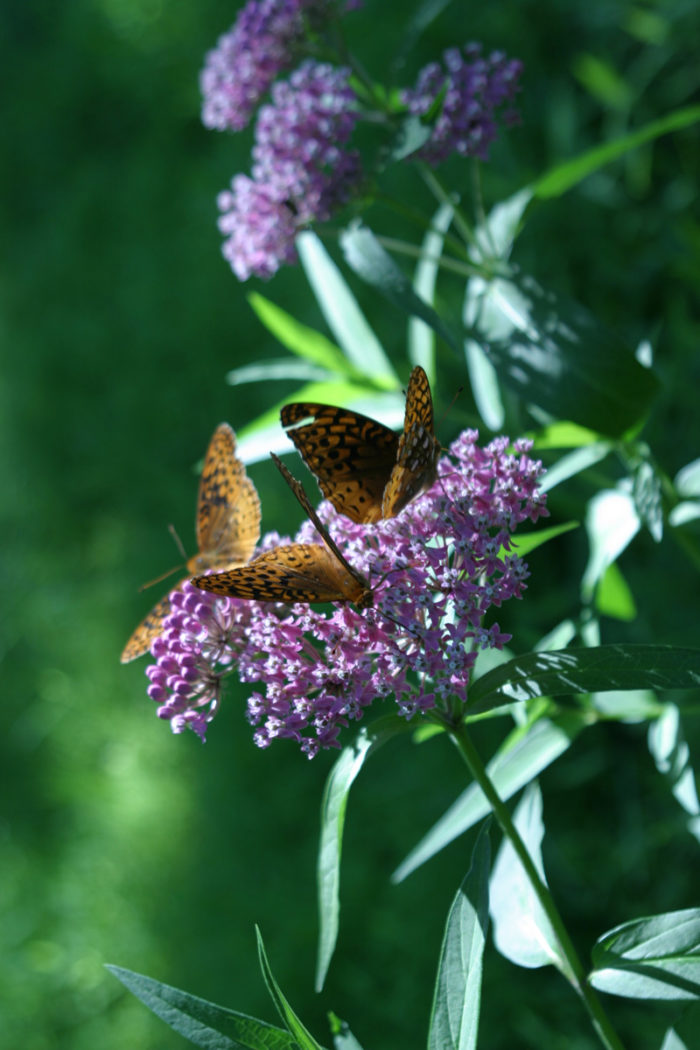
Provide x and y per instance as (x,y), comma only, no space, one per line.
(520,758)
(612,523)
(202,1023)
(343,1039)
(421,338)
(574,463)
(365,255)
(521,930)
(672,756)
(651,958)
(302,340)
(333,806)
(585,671)
(687,480)
(342,312)
(556,357)
(454,1021)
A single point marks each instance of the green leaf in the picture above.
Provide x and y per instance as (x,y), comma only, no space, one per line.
(278,369)
(646,493)
(521,930)
(342,313)
(421,339)
(687,480)
(454,1021)
(652,958)
(563,177)
(333,806)
(303,341)
(343,1039)
(602,81)
(204,1024)
(526,542)
(629,705)
(365,255)
(672,756)
(614,597)
(564,434)
(599,669)
(302,1037)
(555,356)
(673,1042)
(574,463)
(612,523)
(524,754)
(413,132)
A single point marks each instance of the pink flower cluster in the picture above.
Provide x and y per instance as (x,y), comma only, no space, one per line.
(436,570)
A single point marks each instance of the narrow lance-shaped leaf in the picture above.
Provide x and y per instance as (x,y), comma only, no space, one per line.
(302,1037)
(598,669)
(518,760)
(365,255)
(333,807)
(454,1022)
(342,312)
(302,340)
(204,1024)
(569,174)
(421,337)
(651,958)
(522,931)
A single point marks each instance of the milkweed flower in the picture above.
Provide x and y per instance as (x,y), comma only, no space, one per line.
(437,571)
(267,38)
(302,170)
(475,88)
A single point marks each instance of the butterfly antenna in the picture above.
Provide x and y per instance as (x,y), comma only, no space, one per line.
(178,542)
(163,576)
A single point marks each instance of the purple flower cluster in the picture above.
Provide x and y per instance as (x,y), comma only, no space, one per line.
(265,39)
(436,570)
(301,172)
(474,89)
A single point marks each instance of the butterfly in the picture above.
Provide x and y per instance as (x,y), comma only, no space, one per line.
(296,572)
(228,528)
(367,471)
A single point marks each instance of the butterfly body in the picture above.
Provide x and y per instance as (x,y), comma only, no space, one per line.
(228,528)
(367,471)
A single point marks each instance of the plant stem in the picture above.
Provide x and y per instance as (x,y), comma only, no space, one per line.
(573,970)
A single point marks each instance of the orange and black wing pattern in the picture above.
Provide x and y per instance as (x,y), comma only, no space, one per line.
(367,471)
(418,451)
(228,528)
(297,572)
(350,454)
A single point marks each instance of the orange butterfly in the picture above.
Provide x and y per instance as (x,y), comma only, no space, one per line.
(297,572)
(228,528)
(367,471)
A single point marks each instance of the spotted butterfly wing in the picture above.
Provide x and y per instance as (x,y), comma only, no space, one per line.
(418,452)
(297,572)
(356,459)
(228,528)
(350,454)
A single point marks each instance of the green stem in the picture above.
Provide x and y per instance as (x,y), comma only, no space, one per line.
(573,970)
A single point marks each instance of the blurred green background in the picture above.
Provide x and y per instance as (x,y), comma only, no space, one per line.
(121,843)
